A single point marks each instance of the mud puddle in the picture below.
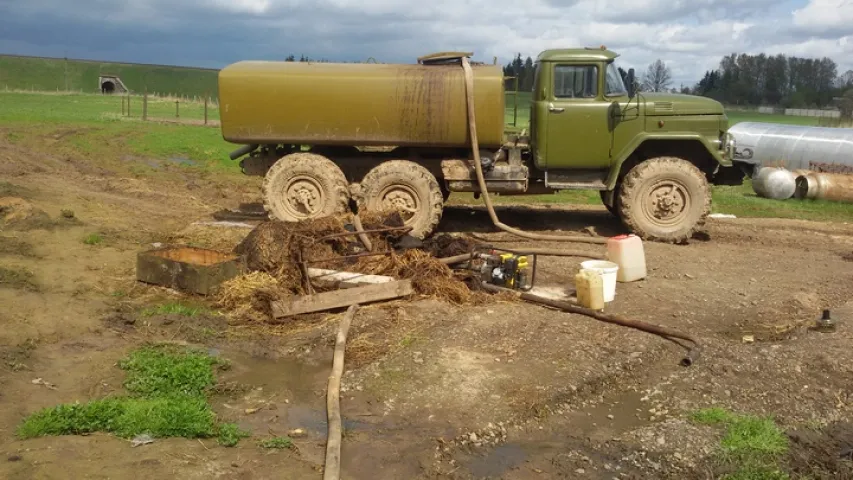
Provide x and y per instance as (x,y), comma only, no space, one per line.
(284,394)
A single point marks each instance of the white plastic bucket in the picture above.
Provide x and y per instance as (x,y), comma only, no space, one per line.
(607,270)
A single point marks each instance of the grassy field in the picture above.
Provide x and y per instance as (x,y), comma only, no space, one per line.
(42,74)
(98,128)
(93,125)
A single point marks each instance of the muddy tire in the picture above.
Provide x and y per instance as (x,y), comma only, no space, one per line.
(665,199)
(408,187)
(303,186)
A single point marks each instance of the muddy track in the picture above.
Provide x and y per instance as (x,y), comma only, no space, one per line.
(563,393)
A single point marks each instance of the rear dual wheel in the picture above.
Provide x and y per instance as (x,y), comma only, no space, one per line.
(407,187)
(304,186)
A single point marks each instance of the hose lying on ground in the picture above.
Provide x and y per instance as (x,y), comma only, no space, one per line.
(475,147)
(663,332)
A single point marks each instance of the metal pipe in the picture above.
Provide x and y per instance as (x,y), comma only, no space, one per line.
(475,148)
(245,149)
(825,186)
(663,332)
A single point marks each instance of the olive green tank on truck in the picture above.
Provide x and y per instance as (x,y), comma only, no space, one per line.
(358,104)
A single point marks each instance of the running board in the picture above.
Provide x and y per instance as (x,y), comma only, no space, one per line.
(576,180)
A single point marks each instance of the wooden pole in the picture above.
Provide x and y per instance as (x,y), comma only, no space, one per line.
(177,109)
(128,104)
(332,471)
(206,97)
(145,104)
(122,104)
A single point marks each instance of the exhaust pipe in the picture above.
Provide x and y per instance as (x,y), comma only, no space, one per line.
(244,150)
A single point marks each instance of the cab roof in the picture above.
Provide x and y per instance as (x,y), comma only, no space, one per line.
(582,54)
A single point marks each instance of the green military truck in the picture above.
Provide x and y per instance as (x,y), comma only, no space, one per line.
(329,137)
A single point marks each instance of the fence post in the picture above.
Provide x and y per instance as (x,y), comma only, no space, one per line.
(128,104)
(122,104)
(177,109)
(145,105)
(206,97)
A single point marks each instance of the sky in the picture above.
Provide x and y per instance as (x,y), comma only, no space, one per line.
(691,36)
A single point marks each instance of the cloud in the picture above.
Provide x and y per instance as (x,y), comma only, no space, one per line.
(690,35)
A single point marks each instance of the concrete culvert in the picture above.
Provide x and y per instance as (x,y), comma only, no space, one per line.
(108,87)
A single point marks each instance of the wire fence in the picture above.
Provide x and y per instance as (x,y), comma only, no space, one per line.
(196,110)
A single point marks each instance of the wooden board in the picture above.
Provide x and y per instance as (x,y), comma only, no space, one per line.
(341,298)
(340,279)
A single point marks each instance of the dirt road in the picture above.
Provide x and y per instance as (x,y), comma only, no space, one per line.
(432,390)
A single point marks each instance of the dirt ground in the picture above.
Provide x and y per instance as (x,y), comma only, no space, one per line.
(432,390)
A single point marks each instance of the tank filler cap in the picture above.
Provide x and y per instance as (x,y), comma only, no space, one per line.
(444,57)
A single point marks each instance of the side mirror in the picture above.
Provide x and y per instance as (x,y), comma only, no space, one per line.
(632,85)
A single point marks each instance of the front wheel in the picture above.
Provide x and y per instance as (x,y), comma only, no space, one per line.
(665,199)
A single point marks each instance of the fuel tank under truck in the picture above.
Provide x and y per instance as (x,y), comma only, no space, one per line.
(367,104)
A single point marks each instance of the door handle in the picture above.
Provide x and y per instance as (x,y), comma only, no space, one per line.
(553,109)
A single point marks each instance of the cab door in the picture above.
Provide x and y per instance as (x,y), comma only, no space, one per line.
(577,127)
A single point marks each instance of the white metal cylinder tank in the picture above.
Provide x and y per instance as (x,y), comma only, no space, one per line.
(794,146)
(775,183)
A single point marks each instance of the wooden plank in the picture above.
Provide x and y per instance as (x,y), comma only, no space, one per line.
(340,279)
(341,298)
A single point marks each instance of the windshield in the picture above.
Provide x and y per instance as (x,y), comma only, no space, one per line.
(613,82)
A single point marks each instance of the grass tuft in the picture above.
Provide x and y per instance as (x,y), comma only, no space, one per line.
(751,447)
(174,308)
(93,239)
(277,443)
(230,434)
(164,371)
(711,416)
(168,388)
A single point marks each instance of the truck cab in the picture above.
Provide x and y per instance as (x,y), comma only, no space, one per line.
(651,155)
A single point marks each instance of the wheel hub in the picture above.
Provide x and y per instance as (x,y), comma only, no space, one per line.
(304,197)
(402,199)
(668,201)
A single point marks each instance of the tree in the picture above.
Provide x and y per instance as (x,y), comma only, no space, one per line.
(658,77)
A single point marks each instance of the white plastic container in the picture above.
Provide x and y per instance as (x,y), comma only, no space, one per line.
(627,252)
(607,270)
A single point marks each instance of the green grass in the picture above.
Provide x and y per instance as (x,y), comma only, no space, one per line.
(175,308)
(751,446)
(92,125)
(93,239)
(168,387)
(277,443)
(743,202)
(39,74)
(230,434)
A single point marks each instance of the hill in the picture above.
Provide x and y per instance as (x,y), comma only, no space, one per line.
(52,74)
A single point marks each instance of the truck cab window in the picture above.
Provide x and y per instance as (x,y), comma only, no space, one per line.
(575,81)
(614,86)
